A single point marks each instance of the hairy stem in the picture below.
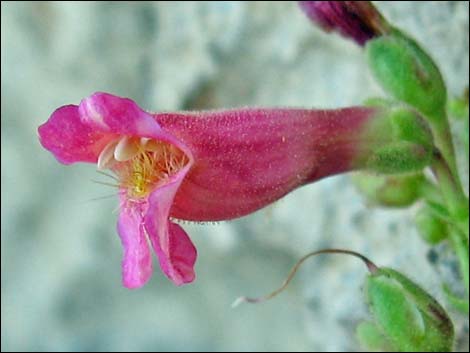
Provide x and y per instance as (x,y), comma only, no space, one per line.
(452,192)
(457,204)
(443,140)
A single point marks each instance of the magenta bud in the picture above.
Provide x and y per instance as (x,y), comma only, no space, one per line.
(358,20)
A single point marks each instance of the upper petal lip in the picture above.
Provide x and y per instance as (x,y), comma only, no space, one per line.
(80,133)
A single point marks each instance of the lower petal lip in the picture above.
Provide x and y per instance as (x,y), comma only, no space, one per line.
(137,260)
(175,251)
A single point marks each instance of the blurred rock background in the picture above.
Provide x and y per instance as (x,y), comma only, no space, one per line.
(60,255)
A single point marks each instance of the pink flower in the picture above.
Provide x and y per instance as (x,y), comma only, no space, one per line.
(200,166)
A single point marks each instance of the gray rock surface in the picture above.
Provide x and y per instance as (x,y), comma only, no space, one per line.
(60,255)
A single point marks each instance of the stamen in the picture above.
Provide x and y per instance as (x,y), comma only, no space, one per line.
(126,149)
(152,145)
(108,175)
(144,140)
(105,183)
(106,157)
(102,197)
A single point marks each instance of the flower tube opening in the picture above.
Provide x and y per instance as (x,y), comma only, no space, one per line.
(141,164)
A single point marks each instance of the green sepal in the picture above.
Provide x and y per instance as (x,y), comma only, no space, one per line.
(401,157)
(400,142)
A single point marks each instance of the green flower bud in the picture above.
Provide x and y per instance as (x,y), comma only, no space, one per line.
(391,191)
(407,315)
(432,228)
(407,72)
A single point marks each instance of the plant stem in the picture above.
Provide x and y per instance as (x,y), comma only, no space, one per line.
(452,192)
(461,249)
(457,205)
(443,140)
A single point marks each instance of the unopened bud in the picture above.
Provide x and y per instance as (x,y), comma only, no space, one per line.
(389,190)
(430,226)
(408,73)
(357,20)
(407,315)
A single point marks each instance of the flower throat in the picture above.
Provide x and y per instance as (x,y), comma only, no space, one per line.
(141,164)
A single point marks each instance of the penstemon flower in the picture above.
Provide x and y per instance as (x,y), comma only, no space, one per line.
(213,165)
